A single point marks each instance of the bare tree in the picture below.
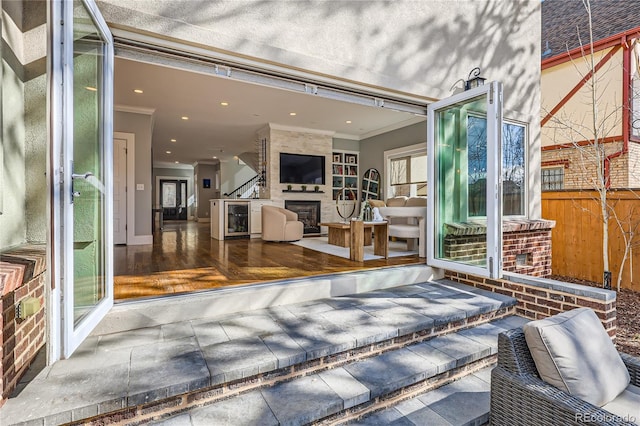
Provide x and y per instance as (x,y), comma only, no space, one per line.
(588,133)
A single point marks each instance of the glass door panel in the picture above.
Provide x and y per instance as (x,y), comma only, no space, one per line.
(88,166)
(464,221)
(83,104)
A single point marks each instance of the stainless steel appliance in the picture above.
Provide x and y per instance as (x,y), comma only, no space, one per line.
(236,219)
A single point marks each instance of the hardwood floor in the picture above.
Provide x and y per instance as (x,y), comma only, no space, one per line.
(184,258)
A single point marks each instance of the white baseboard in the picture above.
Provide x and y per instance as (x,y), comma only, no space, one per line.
(139,240)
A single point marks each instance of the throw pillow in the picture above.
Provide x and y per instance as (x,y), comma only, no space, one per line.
(573,352)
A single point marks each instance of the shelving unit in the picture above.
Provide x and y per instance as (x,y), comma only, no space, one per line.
(345,174)
(370,185)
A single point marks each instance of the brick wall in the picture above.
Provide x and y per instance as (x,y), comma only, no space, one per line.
(540,298)
(582,163)
(526,245)
(22,275)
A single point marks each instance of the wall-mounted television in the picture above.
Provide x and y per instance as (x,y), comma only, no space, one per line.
(301,168)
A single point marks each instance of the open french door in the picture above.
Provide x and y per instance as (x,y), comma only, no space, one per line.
(464,220)
(81,110)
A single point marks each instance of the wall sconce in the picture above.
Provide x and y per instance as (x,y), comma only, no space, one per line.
(474,80)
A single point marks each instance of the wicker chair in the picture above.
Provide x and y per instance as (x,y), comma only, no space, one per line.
(520,397)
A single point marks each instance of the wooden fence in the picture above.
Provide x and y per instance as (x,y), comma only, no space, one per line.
(577,238)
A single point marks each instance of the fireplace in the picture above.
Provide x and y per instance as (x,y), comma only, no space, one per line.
(308,214)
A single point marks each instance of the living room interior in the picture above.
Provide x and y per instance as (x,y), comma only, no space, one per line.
(207,135)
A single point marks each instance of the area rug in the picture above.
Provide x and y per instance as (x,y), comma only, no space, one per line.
(396,248)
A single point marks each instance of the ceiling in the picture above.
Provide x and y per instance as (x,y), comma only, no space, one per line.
(214,132)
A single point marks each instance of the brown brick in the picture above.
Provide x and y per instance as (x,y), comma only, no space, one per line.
(485,287)
(590,304)
(511,286)
(535,291)
(537,308)
(550,304)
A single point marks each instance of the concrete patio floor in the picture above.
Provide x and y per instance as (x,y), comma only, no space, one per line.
(126,369)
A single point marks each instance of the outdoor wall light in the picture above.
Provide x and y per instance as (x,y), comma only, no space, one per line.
(474,80)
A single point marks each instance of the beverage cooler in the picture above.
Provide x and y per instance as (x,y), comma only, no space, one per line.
(236,219)
(230,219)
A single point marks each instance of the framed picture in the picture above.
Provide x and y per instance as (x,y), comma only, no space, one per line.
(351,159)
(206,183)
(337,158)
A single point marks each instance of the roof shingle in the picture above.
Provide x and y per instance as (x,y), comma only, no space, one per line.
(565,23)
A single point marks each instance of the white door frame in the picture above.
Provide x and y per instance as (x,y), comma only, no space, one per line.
(130,139)
(493,268)
(189,180)
(63,335)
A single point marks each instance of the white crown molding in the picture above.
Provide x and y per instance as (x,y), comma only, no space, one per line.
(168,165)
(275,126)
(347,136)
(134,110)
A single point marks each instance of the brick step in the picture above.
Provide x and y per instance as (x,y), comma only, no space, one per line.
(347,394)
(142,374)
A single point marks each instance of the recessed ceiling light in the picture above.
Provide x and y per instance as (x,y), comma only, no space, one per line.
(224,103)
(173,140)
(214,157)
(91,89)
(184,117)
(292,114)
(348,121)
(139,91)
(177,162)
(168,152)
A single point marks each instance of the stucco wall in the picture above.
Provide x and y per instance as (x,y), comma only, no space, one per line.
(140,125)
(13,224)
(420,48)
(35,122)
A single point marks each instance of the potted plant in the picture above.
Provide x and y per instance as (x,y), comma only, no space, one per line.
(288,187)
(304,187)
(316,188)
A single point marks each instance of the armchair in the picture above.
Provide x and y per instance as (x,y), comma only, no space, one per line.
(520,397)
(407,219)
(280,224)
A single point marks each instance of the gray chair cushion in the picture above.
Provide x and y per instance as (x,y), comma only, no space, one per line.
(573,352)
(626,405)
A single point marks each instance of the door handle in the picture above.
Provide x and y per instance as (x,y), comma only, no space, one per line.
(81,176)
(74,176)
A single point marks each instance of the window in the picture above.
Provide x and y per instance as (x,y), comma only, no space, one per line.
(552,178)
(513,167)
(406,171)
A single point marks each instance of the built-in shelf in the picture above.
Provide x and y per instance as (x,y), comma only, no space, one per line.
(300,190)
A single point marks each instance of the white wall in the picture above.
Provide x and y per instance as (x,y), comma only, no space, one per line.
(232,175)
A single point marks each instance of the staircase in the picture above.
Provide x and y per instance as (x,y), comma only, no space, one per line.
(373,358)
(246,190)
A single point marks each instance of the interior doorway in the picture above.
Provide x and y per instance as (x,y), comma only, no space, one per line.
(173,199)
